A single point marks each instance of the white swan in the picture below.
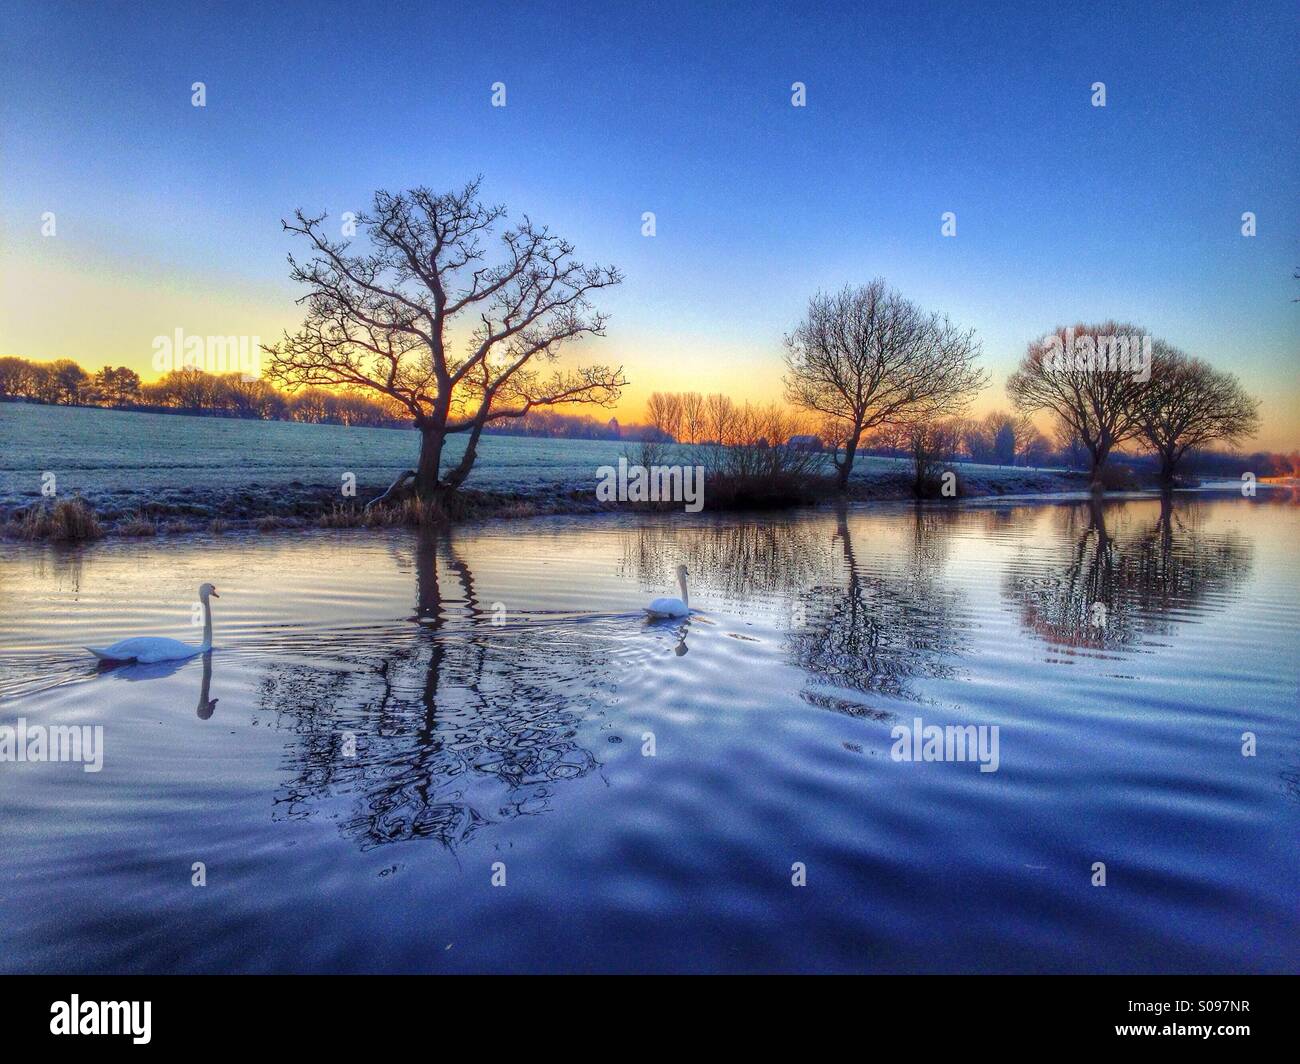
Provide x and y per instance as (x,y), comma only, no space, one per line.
(673,607)
(148,649)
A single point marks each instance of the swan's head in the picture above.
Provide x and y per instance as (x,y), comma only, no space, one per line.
(205,590)
(682,572)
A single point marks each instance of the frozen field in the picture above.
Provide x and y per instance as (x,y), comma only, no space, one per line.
(122,459)
(99,453)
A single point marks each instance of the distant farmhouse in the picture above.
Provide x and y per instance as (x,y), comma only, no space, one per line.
(804,443)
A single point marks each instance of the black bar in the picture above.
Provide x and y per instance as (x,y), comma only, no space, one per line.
(520,1014)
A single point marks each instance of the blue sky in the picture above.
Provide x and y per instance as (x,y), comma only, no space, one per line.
(169,215)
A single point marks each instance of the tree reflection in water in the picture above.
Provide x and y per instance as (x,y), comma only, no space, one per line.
(855,624)
(1112,580)
(884,622)
(458,724)
(737,560)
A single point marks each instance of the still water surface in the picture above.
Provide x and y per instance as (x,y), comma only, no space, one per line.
(503,693)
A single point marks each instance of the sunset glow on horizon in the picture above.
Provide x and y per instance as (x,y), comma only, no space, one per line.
(168,215)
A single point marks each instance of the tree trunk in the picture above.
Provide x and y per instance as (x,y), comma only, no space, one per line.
(843,469)
(426,472)
(1167,465)
(1166,474)
(1097,522)
(458,475)
(1099,456)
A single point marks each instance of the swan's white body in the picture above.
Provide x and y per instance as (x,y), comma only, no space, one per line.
(673,607)
(148,649)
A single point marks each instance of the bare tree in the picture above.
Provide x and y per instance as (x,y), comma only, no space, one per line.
(992,440)
(931,446)
(15,376)
(1076,374)
(70,381)
(976,440)
(1069,446)
(664,413)
(1032,447)
(692,416)
(866,358)
(720,417)
(420,318)
(253,398)
(118,386)
(1190,404)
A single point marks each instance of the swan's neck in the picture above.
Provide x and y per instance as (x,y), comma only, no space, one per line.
(681,583)
(207,623)
(207,682)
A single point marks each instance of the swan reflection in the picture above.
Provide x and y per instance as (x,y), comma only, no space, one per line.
(679,630)
(207,706)
(138,671)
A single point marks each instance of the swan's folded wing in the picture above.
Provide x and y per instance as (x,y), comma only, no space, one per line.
(146,649)
(123,649)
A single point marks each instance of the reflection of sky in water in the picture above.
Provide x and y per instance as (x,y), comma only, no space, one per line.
(501,687)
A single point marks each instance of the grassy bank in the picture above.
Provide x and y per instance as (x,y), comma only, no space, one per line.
(254,508)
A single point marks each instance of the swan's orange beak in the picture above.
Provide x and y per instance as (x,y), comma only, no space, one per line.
(213,593)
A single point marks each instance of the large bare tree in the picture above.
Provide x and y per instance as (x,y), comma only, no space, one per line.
(1077,373)
(420,317)
(866,358)
(1189,404)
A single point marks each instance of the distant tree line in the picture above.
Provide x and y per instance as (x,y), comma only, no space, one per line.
(752,454)
(717,420)
(1005,439)
(192,391)
(553,424)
